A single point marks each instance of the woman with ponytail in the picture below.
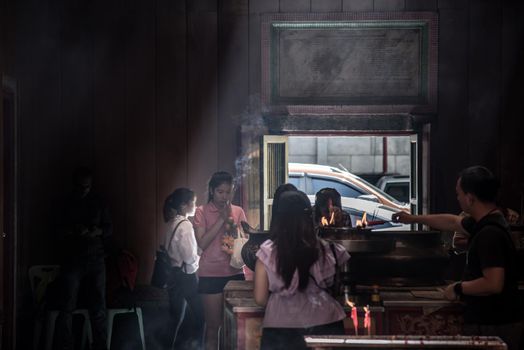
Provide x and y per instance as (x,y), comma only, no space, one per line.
(182,284)
(293,273)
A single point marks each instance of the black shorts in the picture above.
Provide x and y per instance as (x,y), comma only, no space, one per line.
(215,285)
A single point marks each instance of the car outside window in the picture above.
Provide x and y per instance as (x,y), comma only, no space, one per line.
(344,190)
(298,181)
(398,190)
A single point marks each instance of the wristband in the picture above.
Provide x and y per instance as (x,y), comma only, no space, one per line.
(457,288)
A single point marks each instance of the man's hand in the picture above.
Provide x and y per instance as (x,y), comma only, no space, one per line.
(403,217)
(225,213)
(449,292)
(227,244)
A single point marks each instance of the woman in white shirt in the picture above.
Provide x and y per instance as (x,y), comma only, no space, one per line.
(182,284)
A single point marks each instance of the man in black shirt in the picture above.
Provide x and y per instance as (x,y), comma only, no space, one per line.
(489,287)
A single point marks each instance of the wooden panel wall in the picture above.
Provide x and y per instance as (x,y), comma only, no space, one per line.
(151,95)
(202,76)
(171,103)
(447,133)
(510,142)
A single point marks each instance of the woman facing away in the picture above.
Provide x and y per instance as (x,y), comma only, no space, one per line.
(293,272)
(212,222)
(182,284)
(276,197)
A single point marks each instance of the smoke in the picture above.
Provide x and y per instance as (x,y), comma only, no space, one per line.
(252,128)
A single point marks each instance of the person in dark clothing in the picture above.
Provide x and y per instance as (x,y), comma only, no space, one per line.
(489,288)
(85,232)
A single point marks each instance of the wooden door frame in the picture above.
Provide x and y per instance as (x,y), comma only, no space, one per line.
(394,125)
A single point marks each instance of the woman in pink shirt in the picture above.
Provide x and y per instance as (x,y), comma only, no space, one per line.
(212,221)
(293,272)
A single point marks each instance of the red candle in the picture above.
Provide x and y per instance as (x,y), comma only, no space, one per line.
(354,317)
(367,319)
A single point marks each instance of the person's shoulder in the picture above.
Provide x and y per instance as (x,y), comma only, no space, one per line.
(202,208)
(494,222)
(467,222)
(265,251)
(185,223)
(236,207)
(267,247)
(492,231)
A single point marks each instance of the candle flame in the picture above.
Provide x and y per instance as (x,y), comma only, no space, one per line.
(325,222)
(363,222)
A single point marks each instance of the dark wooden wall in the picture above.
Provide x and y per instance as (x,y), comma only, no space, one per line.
(137,90)
(150,94)
(479,122)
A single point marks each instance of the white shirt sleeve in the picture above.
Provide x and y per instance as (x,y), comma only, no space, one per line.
(183,247)
(187,245)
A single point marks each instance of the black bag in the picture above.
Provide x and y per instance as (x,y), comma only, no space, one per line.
(163,266)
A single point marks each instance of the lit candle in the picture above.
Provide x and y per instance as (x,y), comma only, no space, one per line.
(354,316)
(367,319)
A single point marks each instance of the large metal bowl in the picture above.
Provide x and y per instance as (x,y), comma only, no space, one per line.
(357,240)
(412,239)
(392,257)
(367,246)
(343,233)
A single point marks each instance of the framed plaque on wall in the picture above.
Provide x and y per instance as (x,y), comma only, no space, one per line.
(348,63)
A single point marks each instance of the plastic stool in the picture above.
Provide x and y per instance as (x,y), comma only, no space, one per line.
(87,333)
(39,278)
(111,316)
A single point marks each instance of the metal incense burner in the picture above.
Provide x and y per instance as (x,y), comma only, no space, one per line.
(388,258)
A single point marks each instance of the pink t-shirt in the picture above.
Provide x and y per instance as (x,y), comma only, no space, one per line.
(291,308)
(214,262)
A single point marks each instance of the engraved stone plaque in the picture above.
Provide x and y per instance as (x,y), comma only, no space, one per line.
(373,62)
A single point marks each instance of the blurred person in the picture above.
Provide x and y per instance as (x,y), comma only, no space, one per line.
(328,203)
(86,228)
